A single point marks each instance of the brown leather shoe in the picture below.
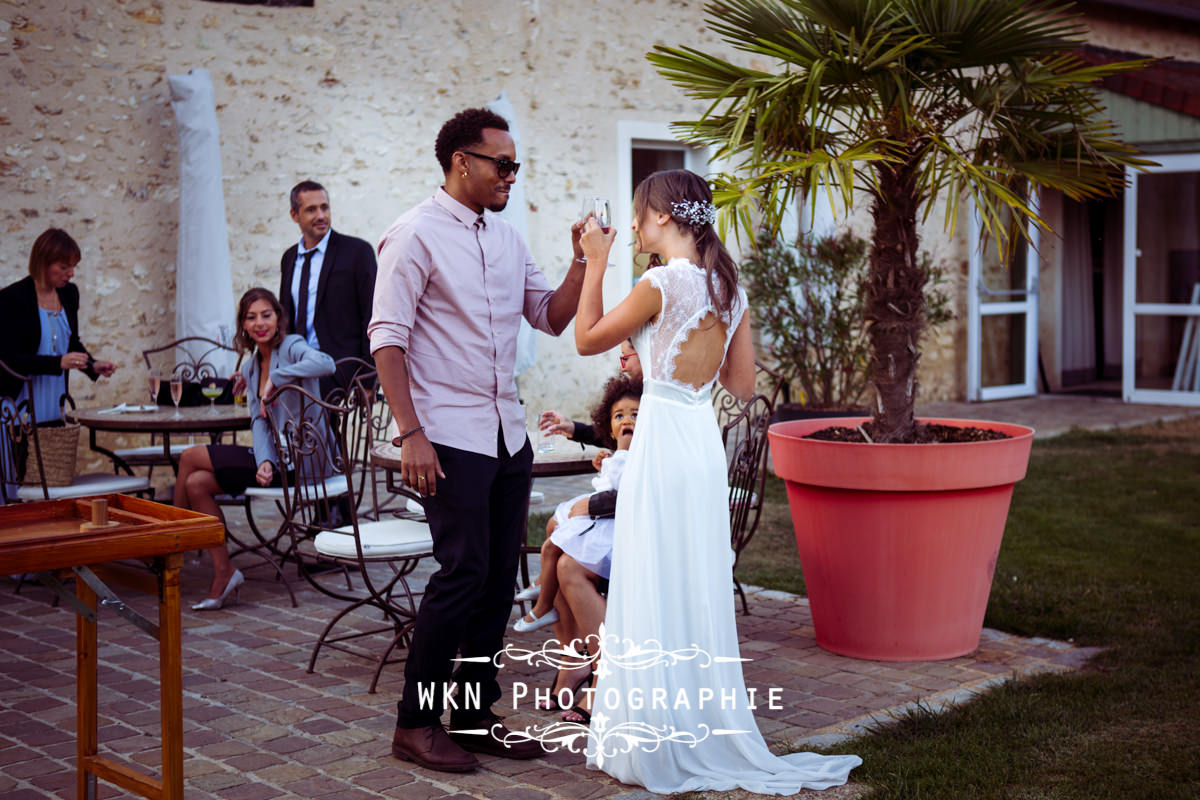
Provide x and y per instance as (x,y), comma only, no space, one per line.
(432,748)
(493,742)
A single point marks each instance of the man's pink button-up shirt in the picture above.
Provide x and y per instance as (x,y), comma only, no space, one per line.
(452,294)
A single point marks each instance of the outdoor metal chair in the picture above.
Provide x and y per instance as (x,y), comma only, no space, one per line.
(381,552)
(745,439)
(768,382)
(21,441)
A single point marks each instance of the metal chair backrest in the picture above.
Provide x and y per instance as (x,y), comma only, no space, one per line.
(360,400)
(19,426)
(745,438)
(191,359)
(348,372)
(769,383)
(310,441)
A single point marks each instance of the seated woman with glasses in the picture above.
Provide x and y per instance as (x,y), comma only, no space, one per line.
(205,471)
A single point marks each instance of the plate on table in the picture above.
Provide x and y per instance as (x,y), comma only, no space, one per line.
(129,408)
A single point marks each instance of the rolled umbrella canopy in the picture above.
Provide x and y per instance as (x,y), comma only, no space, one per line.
(204,303)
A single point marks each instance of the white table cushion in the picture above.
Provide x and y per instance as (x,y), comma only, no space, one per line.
(87,485)
(390,537)
(335,485)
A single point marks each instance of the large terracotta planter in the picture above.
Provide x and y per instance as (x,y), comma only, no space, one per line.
(898,543)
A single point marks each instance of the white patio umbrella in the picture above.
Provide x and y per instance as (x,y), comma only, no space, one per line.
(203,281)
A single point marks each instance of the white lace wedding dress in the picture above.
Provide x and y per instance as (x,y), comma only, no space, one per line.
(670,711)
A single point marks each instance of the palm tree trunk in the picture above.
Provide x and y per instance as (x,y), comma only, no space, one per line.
(895,304)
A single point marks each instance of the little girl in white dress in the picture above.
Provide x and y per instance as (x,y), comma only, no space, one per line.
(576,528)
(588,540)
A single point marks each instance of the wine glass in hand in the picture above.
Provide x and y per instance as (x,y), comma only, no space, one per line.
(599,209)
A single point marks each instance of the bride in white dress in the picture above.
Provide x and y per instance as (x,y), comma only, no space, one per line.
(670,711)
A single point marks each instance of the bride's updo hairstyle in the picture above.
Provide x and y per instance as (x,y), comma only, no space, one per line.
(686,197)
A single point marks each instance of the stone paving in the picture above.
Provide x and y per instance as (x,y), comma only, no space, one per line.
(259,726)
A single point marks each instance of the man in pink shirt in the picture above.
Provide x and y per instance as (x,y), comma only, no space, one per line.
(453,284)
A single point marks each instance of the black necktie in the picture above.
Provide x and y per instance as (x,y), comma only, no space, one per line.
(302,295)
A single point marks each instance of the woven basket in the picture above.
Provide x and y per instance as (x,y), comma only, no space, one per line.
(60,448)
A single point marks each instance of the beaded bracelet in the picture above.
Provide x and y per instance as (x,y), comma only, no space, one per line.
(399,440)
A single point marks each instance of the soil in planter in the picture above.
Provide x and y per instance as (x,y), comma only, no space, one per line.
(926,434)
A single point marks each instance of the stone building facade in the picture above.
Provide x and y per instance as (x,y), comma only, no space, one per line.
(351,93)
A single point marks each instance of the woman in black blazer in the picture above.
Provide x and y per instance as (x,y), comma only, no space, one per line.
(48,352)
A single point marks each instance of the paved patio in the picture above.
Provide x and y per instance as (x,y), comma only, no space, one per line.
(258,726)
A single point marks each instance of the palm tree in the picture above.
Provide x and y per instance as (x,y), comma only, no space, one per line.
(907,102)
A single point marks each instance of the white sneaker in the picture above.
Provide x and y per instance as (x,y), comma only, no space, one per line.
(549,618)
(530,592)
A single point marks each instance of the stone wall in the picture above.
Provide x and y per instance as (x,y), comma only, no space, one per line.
(350,93)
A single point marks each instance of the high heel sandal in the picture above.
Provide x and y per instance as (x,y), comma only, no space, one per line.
(556,705)
(234,587)
(585,715)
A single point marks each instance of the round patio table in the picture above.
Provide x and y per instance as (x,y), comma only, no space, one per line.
(567,458)
(162,420)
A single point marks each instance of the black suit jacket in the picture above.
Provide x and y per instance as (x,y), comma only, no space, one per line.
(345,292)
(21,333)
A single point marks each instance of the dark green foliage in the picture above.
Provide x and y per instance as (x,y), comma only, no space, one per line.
(809,299)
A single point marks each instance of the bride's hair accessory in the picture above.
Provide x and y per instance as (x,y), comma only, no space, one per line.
(695,213)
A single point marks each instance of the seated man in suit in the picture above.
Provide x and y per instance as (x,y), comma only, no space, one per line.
(328,284)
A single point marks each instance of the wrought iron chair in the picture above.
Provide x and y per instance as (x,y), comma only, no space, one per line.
(768,382)
(745,438)
(744,434)
(381,552)
(21,441)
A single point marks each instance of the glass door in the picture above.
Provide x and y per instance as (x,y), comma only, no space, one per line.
(1002,334)
(1161,342)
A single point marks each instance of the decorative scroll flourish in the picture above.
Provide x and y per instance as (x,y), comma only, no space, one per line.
(599,741)
(553,653)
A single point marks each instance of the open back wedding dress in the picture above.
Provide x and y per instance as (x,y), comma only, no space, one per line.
(670,711)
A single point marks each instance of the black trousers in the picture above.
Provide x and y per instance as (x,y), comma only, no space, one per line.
(476,520)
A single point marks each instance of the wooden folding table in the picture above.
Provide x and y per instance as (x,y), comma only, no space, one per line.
(72,538)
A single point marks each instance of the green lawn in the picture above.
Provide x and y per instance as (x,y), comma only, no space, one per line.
(1103,548)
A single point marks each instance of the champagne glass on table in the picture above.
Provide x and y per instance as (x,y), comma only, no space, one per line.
(212,388)
(176,393)
(155,381)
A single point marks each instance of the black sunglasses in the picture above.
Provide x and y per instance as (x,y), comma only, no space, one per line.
(504,166)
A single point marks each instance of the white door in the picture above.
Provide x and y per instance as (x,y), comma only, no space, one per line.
(1002,325)
(1161,336)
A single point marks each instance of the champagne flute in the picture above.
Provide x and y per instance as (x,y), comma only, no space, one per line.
(155,381)
(212,389)
(176,393)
